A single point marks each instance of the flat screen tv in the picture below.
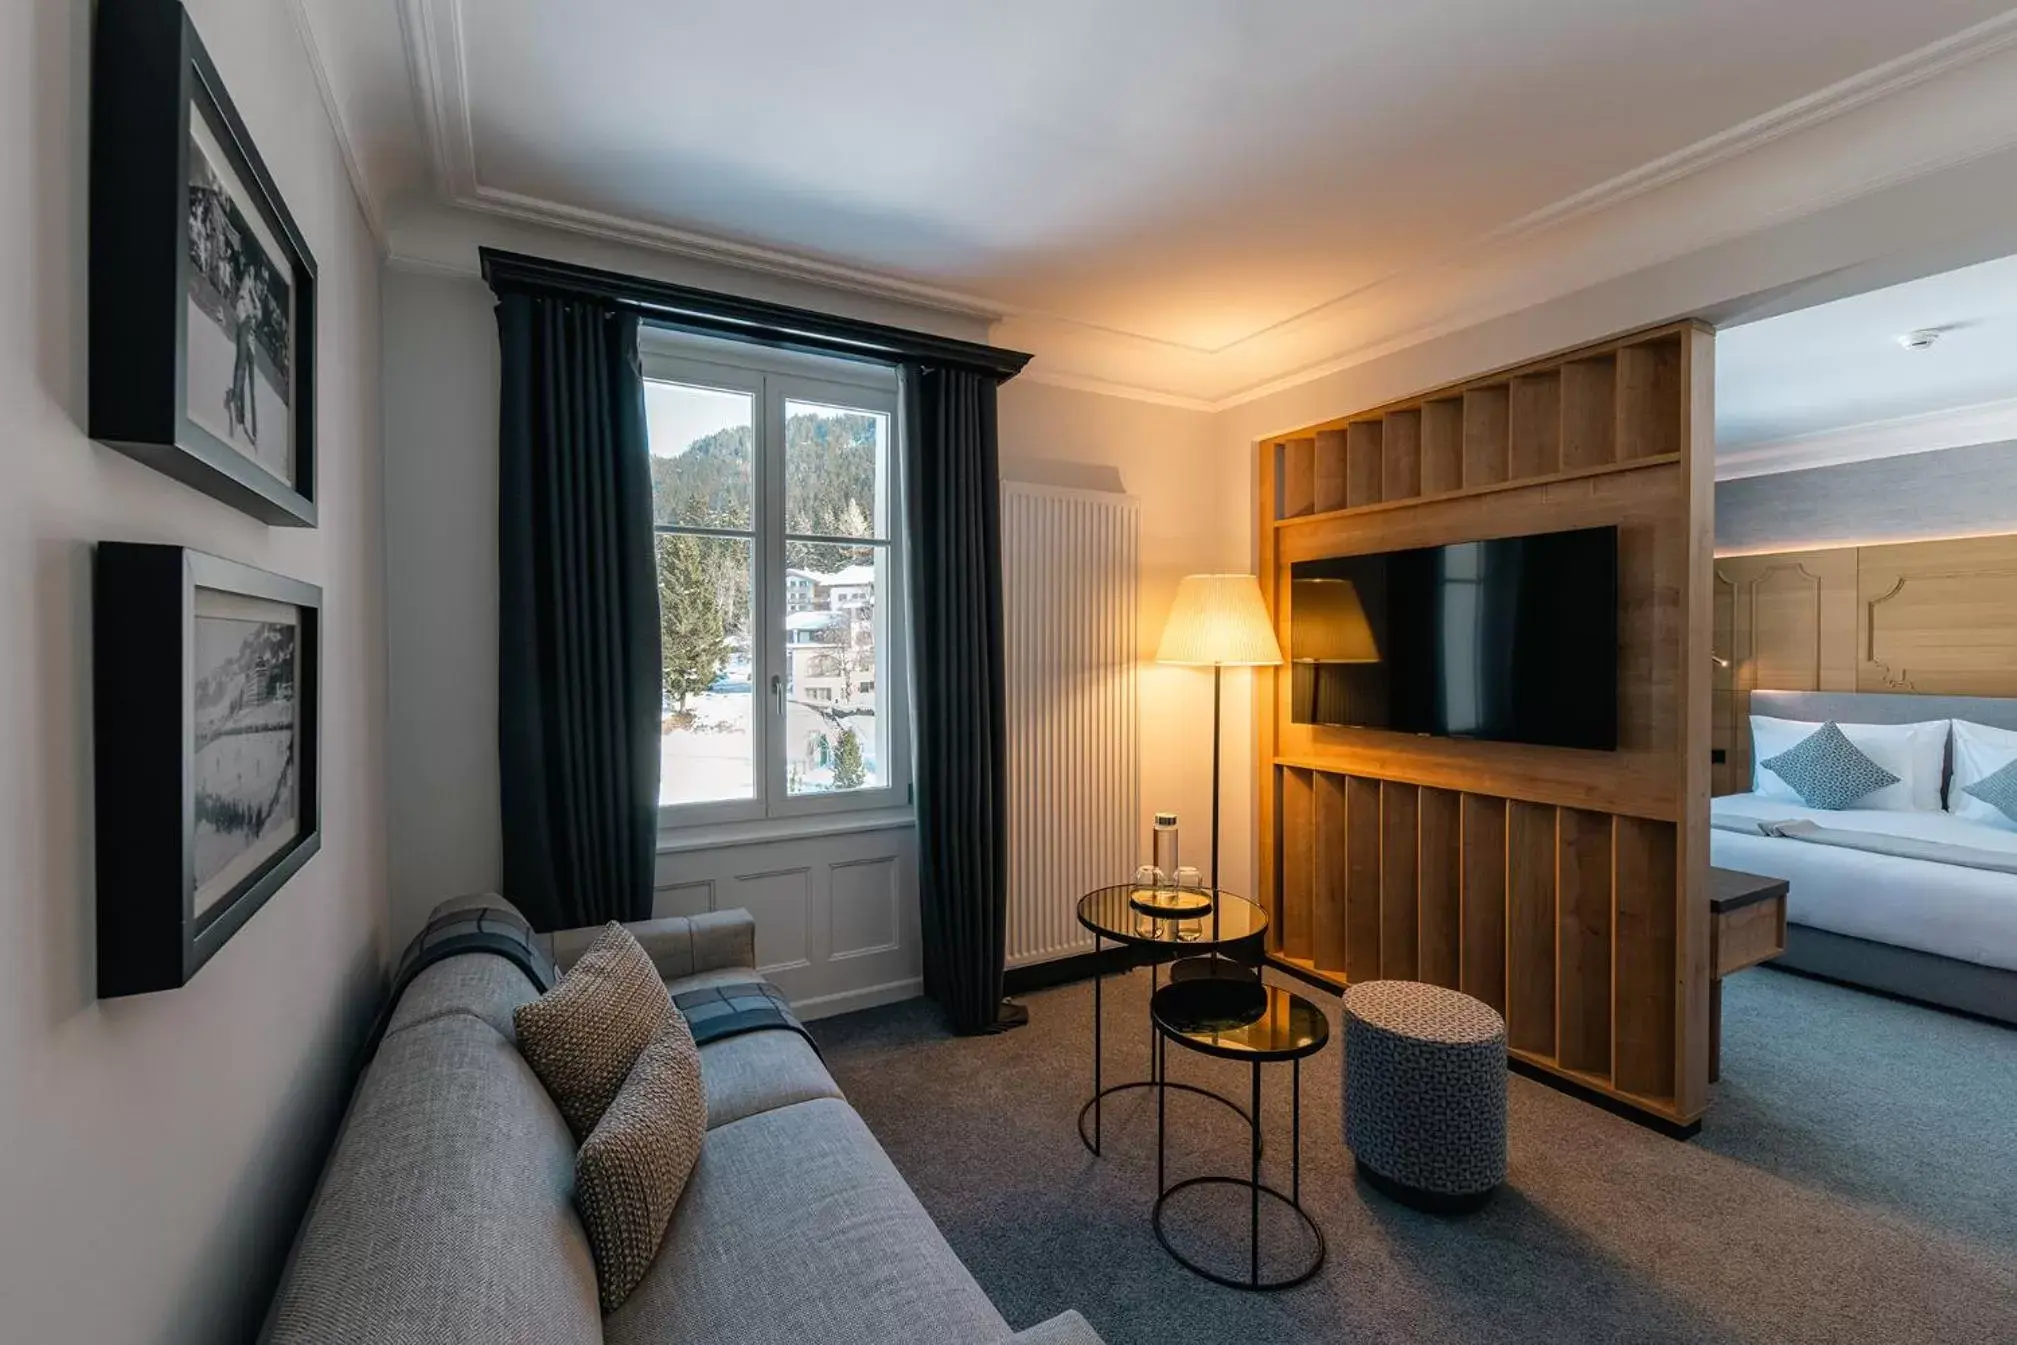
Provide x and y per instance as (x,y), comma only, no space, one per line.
(1511,640)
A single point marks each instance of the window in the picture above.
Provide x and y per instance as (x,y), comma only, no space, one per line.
(779,583)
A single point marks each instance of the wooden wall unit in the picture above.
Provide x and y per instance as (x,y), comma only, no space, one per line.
(1926,618)
(1566,888)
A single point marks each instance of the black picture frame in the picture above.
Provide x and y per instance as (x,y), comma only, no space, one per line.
(151,79)
(153,933)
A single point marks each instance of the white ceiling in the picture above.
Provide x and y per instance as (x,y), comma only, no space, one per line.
(1840,365)
(1189,198)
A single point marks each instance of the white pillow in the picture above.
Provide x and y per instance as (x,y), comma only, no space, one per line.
(1915,753)
(1979,752)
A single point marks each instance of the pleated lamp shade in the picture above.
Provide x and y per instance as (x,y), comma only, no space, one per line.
(1331,625)
(1219,619)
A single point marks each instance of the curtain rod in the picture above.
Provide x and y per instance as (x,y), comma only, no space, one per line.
(714,314)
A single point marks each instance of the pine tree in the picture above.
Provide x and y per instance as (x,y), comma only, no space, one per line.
(692,651)
(847,767)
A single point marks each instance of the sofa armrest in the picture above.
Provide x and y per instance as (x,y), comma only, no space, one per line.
(1067,1328)
(678,945)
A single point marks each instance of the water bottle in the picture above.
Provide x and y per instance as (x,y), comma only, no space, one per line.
(1165,850)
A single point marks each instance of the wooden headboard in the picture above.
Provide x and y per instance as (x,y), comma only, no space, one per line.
(1932,619)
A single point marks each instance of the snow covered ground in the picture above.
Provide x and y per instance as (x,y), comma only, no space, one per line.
(713,759)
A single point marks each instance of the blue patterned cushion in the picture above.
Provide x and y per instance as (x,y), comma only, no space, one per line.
(1827,770)
(1998,789)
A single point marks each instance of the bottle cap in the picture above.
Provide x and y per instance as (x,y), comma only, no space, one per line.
(1166,819)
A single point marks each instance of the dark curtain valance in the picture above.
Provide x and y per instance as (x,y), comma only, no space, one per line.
(578,658)
(710,313)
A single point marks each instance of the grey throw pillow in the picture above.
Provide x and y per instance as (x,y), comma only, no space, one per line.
(1827,770)
(1998,789)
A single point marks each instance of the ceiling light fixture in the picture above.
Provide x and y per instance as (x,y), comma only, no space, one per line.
(1922,339)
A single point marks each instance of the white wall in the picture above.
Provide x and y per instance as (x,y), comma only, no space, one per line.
(441,594)
(155,1152)
(1194,520)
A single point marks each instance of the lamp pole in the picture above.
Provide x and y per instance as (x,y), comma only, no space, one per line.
(1217,670)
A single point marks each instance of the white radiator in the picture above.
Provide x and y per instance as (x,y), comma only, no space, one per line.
(1069,581)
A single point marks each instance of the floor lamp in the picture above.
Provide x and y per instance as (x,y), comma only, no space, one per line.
(1219,621)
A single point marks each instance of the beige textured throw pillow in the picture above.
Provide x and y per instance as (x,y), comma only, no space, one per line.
(631,1170)
(582,1036)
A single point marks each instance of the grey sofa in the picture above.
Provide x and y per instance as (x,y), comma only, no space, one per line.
(444,1214)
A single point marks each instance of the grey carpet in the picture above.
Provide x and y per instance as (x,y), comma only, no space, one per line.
(1855,1180)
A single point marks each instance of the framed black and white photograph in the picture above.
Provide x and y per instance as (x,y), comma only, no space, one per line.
(202,288)
(206,681)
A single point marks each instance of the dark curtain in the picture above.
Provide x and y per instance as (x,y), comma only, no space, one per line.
(578,660)
(953,507)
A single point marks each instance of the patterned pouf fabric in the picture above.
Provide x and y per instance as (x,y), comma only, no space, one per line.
(1425,1092)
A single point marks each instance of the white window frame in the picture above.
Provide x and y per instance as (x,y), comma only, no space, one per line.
(772,378)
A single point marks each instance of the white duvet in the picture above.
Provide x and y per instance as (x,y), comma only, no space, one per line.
(1946,909)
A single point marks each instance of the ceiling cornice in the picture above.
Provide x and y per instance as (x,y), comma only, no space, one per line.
(1966,47)
(1957,427)
(360,182)
(433,32)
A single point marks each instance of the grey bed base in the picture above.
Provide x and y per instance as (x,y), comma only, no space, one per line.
(1944,982)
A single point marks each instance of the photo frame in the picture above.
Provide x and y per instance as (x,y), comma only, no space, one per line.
(202,341)
(206,680)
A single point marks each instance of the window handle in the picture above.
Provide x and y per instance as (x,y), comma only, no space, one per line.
(777,693)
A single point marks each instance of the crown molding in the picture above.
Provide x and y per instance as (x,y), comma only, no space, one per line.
(360,183)
(1037,373)
(1928,432)
(1966,47)
(434,35)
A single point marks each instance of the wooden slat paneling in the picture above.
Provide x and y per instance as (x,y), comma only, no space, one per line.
(1484,884)
(1400,910)
(1401,456)
(1530,928)
(1332,880)
(1440,867)
(1583,896)
(1644,871)
(1298,865)
(1362,940)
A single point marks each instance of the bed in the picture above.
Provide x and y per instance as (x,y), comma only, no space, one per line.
(1940,932)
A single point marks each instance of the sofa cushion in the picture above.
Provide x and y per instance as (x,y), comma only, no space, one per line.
(582,1036)
(634,1164)
(760,1071)
(445,1214)
(796,1228)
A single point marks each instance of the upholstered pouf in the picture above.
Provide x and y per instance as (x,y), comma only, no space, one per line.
(1425,1093)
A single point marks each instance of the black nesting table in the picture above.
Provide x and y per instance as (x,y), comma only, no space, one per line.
(1258,1024)
(1224,944)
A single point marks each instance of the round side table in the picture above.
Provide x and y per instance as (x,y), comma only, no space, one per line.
(1224,944)
(1258,1024)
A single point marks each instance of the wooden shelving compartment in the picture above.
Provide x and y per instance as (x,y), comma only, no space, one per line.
(1609,410)
(1565,889)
